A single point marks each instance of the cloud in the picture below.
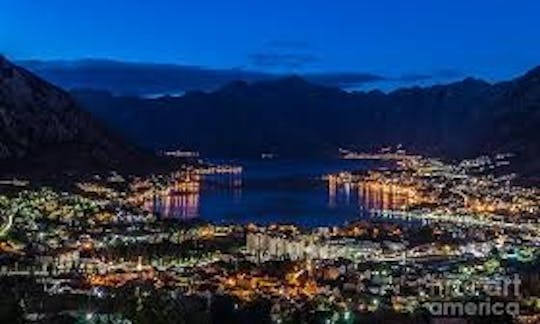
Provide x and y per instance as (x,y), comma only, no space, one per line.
(282,60)
(435,76)
(140,78)
(413,77)
(345,79)
(289,44)
(448,73)
(284,54)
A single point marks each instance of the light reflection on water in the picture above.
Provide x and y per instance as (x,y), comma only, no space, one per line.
(182,206)
(181,200)
(379,197)
(368,195)
(277,191)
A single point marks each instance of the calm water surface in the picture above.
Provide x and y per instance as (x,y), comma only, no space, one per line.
(278,191)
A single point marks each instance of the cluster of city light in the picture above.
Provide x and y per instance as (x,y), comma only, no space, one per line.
(463,188)
(106,237)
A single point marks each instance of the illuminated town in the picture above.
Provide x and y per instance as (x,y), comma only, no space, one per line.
(115,247)
(269,162)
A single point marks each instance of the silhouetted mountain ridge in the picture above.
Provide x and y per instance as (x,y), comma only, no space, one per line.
(143,79)
(293,117)
(516,121)
(42,127)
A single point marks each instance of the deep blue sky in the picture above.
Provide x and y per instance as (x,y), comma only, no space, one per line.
(494,39)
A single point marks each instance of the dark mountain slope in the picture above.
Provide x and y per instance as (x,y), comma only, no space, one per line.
(295,118)
(292,117)
(516,122)
(42,128)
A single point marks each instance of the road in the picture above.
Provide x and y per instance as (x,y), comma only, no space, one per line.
(5,229)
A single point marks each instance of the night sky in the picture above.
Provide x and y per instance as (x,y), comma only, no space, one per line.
(492,39)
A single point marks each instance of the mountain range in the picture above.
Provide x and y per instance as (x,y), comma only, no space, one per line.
(43,126)
(154,79)
(293,117)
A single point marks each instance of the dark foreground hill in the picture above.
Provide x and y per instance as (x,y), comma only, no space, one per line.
(42,130)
